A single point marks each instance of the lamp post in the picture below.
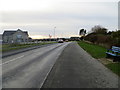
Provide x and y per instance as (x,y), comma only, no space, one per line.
(54,32)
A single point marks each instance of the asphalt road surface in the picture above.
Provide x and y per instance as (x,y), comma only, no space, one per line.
(77,69)
(62,65)
(30,69)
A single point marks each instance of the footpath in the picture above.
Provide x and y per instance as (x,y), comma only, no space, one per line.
(75,68)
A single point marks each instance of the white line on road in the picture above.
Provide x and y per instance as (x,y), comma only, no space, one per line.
(12,60)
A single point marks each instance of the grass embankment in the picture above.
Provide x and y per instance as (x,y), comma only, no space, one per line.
(9,47)
(98,52)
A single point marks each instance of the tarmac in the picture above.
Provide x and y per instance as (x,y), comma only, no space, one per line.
(75,68)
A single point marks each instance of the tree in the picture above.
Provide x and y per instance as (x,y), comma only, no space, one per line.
(99,30)
(82,32)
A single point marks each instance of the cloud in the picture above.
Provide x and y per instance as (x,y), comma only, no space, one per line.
(68,17)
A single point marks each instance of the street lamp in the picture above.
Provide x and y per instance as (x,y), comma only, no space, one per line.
(54,32)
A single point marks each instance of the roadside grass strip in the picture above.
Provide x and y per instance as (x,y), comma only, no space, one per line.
(94,50)
(115,67)
(98,52)
(9,47)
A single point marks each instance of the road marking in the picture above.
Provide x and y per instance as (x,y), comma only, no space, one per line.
(12,60)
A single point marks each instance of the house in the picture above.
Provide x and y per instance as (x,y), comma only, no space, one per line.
(17,36)
(0,38)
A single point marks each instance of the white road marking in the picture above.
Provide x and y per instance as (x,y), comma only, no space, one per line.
(12,60)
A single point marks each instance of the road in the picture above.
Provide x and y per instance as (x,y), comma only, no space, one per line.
(62,65)
(30,69)
(75,68)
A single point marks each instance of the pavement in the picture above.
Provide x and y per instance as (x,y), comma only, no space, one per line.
(30,69)
(75,68)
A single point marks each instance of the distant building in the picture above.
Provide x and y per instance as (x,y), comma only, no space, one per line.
(0,38)
(17,36)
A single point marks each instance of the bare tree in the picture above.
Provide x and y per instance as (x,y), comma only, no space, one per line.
(99,29)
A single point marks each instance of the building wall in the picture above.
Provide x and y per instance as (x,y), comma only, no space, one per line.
(0,36)
(17,37)
(5,39)
(20,36)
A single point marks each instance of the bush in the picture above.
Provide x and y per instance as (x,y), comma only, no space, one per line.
(91,37)
(100,36)
(116,37)
(105,40)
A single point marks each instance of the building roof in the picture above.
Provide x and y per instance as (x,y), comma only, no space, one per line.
(8,33)
(26,32)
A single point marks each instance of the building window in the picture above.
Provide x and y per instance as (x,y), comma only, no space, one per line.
(19,36)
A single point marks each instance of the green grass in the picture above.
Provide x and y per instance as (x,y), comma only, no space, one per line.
(9,47)
(115,67)
(95,50)
(98,52)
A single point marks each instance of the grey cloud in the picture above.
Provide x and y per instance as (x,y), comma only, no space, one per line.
(65,18)
(37,17)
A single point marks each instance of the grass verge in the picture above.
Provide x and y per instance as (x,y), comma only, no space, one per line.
(98,52)
(9,47)
(95,50)
(115,67)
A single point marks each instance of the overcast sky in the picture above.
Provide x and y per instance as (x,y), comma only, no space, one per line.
(39,17)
